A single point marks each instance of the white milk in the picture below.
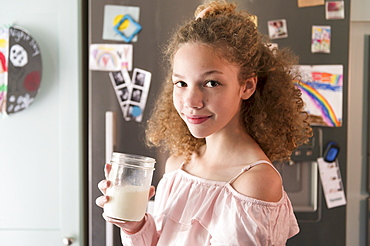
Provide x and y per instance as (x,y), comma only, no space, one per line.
(127,202)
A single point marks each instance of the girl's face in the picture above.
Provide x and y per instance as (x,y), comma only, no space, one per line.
(207,94)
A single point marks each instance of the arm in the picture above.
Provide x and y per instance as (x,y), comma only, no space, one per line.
(147,235)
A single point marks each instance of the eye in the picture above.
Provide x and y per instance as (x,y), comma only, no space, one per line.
(211,83)
(179,84)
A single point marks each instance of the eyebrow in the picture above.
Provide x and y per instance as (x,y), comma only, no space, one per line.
(203,75)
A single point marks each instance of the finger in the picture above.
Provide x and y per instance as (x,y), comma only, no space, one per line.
(101,200)
(107,169)
(151,192)
(104,185)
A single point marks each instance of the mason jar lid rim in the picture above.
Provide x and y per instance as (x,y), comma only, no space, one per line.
(116,157)
(134,166)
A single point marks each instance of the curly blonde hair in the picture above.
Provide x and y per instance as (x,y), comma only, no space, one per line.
(273,116)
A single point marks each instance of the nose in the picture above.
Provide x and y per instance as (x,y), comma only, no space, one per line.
(194,98)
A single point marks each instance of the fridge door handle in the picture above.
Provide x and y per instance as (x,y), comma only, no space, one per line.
(110,134)
(110,141)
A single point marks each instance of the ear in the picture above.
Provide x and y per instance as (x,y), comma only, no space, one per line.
(249,87)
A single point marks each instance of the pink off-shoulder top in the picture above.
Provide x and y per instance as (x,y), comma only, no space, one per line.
(192,211)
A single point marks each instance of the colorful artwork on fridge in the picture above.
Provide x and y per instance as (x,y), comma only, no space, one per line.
(322,88)
(110,57)
(121,23)
(321,37)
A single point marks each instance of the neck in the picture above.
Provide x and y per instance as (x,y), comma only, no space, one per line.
(231,147)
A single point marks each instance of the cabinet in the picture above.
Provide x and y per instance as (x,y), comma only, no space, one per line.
(41,147)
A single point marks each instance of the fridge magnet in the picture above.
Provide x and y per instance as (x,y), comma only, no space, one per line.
(121,23)
(322,92)
(127,28)
(321,36)
(334,10)
(110,57)
(309,3)
(332,183)
(131,94)
(140,88)
(21,69)
(277,29)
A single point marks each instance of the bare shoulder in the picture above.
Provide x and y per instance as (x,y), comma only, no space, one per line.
(174,162)
(261,182)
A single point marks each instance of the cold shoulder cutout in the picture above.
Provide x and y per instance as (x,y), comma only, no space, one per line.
(263,183)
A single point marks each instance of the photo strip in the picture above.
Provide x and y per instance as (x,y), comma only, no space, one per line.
(131,93)
(122,85)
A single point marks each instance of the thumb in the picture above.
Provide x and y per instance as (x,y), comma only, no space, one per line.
(151,192)
(107,169)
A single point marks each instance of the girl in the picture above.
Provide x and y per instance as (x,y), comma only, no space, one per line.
(228,109)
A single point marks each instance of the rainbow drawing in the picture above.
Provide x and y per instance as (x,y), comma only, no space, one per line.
(106,59)
(110,57)
(327,112)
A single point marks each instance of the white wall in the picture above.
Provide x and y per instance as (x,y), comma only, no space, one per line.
(357,128)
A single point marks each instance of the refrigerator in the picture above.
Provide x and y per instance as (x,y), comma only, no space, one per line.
(111,126)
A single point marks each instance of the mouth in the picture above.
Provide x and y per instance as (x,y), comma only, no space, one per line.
(197,119)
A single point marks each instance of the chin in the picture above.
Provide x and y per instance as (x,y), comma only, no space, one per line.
(198,134)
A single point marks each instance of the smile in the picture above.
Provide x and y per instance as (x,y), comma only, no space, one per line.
(197,119)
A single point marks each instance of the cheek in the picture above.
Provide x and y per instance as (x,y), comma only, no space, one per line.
(176,101)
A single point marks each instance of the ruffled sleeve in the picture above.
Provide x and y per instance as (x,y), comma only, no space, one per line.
(239,220)
(146,236)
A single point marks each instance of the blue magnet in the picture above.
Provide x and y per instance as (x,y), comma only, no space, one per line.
(331,151)
(136,111)
(137,28)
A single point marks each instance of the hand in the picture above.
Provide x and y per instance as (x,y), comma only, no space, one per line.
(130,227)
